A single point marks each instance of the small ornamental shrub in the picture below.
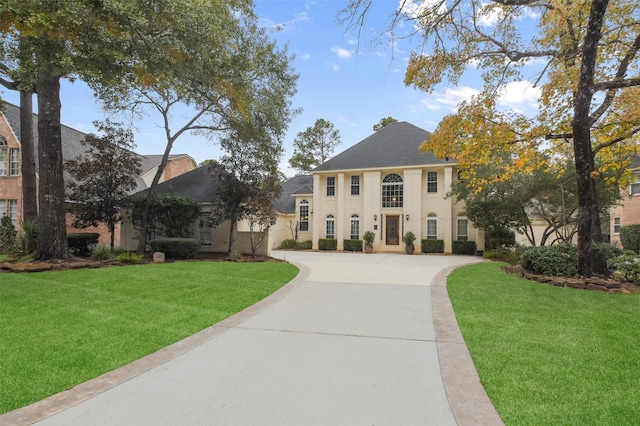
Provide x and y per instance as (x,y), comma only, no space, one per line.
(502,254)
(7,235)
(82,243)
(601,254)
(352,245)
(409,238)
(464,247)
(432,246)
(628,265)
(176,248)
(368,237)
(327,244)
(558,260)
(630,237)
(103,253)
(289,244)
(129,257)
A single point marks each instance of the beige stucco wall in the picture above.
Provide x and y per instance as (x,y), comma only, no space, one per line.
(417,205)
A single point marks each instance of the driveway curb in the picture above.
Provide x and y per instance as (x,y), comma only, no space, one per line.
(84,391)
(467,397)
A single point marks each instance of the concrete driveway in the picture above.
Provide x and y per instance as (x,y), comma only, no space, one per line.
(351,341)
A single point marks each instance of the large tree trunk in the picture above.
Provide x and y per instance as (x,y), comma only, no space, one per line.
(582,149)
(52,234)
(29,184)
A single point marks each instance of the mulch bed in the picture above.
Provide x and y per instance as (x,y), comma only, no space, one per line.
(80,263)
(604,284)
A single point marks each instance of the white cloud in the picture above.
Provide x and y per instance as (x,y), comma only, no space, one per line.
(415,10)
(332,66)
(449,99)
(342,53)
(520,96)
(305,56)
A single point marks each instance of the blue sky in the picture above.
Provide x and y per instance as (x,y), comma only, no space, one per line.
(348,81)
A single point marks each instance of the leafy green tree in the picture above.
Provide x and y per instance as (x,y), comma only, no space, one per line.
(384,122)
(587,54)
(314,146)
(170,215)
(225,72)
(103,177)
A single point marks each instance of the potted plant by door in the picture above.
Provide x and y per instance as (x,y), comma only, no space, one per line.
(368,238)
(408,240)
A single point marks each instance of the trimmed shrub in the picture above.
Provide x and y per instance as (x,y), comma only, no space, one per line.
(559,260)
(103,253)
(630,237)
(352,245)
(601,254)
(176,248)
(82,243)
(305,245)
(432,246)
(464,247)
(291,244)
(501,254)
(327,244)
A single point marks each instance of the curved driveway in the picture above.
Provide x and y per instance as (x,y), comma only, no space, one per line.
(351,341)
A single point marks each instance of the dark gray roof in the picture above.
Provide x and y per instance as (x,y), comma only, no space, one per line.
(395,145)
(199,185)
(296,185)
(72,143)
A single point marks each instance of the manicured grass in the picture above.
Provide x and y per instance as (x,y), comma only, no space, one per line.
(3,257)
(59,329)
(548,355)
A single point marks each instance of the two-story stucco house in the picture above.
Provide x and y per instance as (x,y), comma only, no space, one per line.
(11,162)
(382,184)
(627,212)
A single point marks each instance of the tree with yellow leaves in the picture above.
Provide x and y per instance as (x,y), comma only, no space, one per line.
(588,73)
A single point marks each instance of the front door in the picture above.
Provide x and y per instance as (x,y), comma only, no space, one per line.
(392,226)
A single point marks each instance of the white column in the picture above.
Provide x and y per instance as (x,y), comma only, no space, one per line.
(446,223)
(316,215)
(340,219)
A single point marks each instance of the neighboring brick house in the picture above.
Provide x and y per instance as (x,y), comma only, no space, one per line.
(627,212)
(11,174)
(382,184)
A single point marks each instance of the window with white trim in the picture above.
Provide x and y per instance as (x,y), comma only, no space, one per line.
(330,227)
(432,182)
(355,227)
(432,226)
(462,229)
(10,208)
(303,218)
(635,185)
(14,162)
(331,186)
(616,225)
(392,191)
(4,160)
(355,185)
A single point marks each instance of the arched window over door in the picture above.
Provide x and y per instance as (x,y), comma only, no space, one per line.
(330,227)
(355,227)
(392,191)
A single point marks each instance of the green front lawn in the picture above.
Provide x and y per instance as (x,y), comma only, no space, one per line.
(548,355)
(59,329)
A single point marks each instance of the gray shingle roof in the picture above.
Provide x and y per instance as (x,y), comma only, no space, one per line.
(199,185)
(296,185)
(72,143)
(395,145)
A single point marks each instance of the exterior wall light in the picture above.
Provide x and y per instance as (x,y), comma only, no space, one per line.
(375,217)
(407,217)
